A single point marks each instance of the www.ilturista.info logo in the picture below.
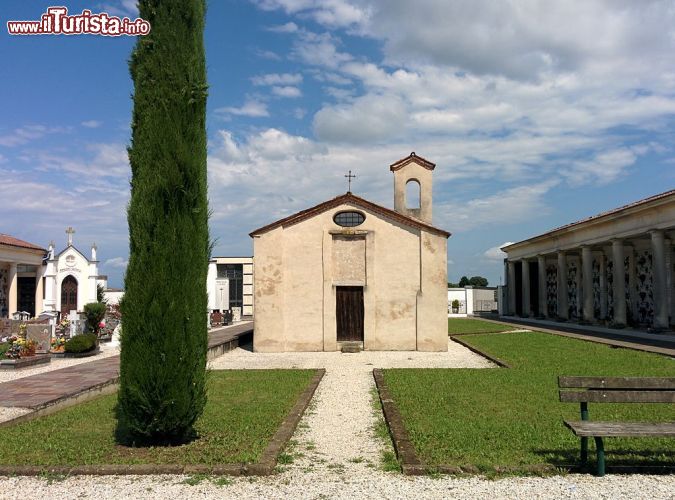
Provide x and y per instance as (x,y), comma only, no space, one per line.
(56,21)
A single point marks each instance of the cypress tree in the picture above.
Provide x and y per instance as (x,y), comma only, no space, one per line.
(164,335)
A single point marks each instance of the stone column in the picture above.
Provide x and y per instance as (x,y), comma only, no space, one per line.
(603,285)
(563,308)
(632,280)
(670,282)
(541,274)
(659,274)
(525,273)
(618,283)
(12,290)
(587,283)
(39,291)
(511,288)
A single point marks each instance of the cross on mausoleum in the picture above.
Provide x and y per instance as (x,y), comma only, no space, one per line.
(70,231)
(349,180)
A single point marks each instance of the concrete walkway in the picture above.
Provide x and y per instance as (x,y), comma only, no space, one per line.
(660,343)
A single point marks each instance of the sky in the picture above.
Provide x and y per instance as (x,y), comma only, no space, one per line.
(536,113)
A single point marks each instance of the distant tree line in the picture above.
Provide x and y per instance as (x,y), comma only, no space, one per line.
(473,281)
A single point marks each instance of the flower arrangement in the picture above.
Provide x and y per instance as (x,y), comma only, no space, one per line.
(58,344)
(65,323)
(21,348)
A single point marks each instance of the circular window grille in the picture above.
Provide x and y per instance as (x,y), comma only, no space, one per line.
(349,219)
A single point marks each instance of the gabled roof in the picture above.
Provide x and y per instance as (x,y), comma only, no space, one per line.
(412,157)
(74,248)
(6,239)
(354,200)
(595,218)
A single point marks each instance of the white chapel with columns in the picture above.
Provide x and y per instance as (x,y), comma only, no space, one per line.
(35,280)
(613,269)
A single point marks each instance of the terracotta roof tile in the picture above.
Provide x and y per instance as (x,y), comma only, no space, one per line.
(6,239)
(355,200)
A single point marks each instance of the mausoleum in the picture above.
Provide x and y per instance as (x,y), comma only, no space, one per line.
(349,270)
(36,280)
(615,268)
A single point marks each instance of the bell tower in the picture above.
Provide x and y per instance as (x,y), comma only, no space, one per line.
(413,183)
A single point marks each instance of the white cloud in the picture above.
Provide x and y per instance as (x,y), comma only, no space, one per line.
(106,161)
(496,253)
(91,124)
(26,134)
(509,206)
(333,13)
(284,28)
(121,8)
(277,79)
(268,54)
(116,263)
(369,118)
(319,50)
(251,107)
(286,91)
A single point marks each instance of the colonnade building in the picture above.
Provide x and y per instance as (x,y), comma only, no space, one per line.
(612,269)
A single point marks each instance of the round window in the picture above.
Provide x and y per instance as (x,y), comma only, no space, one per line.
(349,219)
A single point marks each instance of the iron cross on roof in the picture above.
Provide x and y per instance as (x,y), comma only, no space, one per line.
(349,177)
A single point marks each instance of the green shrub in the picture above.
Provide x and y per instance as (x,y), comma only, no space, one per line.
(95,312)
(81,343)
(4,347)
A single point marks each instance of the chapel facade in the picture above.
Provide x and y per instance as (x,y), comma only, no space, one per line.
(351,271)
(34,280)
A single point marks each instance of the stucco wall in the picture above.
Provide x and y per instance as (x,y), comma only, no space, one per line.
(295,283)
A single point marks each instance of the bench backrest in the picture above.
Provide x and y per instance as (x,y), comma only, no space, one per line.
(617,389)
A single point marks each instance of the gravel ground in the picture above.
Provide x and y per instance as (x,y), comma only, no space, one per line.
(56,364)
(9,413)
(296,484)
(336,454)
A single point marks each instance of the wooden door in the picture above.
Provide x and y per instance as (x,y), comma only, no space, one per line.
(349,313)
(68,295)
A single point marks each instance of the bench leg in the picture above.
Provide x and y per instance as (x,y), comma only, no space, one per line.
(600,448)
(584,450)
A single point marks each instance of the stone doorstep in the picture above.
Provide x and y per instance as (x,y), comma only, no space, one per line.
(17,364)
(350,347)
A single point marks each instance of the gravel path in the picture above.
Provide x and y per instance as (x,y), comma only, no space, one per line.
(336,453)
(336,435)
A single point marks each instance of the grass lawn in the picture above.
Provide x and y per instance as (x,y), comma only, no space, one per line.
(468,325)
(512,417)
(244,410)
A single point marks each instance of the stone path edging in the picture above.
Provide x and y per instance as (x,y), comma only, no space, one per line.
(405,451)
(264,467)
(492,358)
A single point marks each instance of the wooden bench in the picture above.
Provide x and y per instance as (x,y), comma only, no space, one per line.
(584,390)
